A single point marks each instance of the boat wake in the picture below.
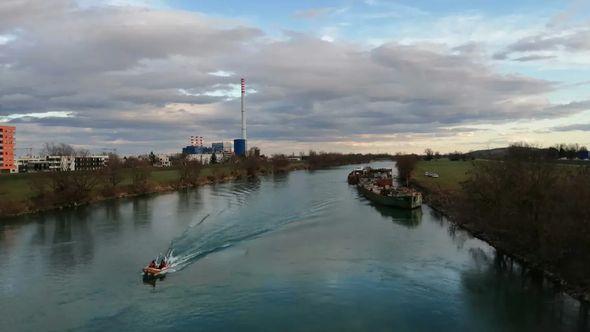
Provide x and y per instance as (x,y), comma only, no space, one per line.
(226,227)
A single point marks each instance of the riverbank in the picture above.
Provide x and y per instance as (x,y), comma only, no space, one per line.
(18,196)
(37,192)
(444,194)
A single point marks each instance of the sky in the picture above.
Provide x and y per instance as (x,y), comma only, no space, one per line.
(345,76)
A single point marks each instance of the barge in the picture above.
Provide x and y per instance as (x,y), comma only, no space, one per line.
(377,186)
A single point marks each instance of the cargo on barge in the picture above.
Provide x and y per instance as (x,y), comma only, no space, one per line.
(377,185)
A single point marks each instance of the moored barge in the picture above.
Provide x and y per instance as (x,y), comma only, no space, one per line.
(377,186)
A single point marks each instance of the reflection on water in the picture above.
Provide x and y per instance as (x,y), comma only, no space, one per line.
(409,218)
(113,211)
(142,210)
(152,281)
(295,251)
(73,242)
(491,287)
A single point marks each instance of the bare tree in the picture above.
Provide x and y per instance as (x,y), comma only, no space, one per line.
(62,149)
(251,164)
(406,165)
(189,171)
(83,183)
(68,187)
(140,177)
(131,162)
(279,162)
(112,173)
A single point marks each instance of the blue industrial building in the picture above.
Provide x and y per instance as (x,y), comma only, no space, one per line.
(240,147)
(196,150)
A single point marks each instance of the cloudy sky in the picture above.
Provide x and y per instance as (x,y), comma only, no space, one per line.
(341,75)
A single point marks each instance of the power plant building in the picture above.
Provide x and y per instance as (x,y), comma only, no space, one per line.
(222,147)
(196,149)
(240,147)
(7,142)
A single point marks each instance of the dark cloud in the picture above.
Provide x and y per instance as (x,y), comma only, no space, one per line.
(131,76)
(573,41)
(534,58)
(580,127)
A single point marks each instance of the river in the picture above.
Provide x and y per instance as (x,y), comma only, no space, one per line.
(291,252)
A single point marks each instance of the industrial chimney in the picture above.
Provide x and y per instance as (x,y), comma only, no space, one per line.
(243,83)
(240,144)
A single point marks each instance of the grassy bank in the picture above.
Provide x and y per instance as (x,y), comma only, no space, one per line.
(19,193)
(451,174)
(35,192)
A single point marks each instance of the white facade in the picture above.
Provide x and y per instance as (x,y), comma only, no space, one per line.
(162,160)
(60,163)
(203,158)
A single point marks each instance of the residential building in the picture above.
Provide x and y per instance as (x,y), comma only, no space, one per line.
(90,163)
(162,160)
(7,142)
(32,164)
(60,163)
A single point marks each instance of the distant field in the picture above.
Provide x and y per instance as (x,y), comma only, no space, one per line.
(451,173)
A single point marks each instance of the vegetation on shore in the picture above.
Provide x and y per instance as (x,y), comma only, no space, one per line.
(34,192)
(524,204)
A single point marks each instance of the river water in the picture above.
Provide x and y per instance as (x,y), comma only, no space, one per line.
(299,251)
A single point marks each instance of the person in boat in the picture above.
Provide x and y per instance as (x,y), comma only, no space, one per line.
(153,264)
(162,264)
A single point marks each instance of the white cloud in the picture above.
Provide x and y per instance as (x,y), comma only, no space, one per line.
(222,73)
(45,115)
(127,73)
(327,38)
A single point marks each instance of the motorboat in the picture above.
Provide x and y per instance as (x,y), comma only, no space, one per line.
(155,272)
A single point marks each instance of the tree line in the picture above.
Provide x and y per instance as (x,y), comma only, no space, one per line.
(317,160)
(559,151)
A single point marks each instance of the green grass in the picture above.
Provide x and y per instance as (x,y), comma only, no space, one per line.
(17,187)
(451,173)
